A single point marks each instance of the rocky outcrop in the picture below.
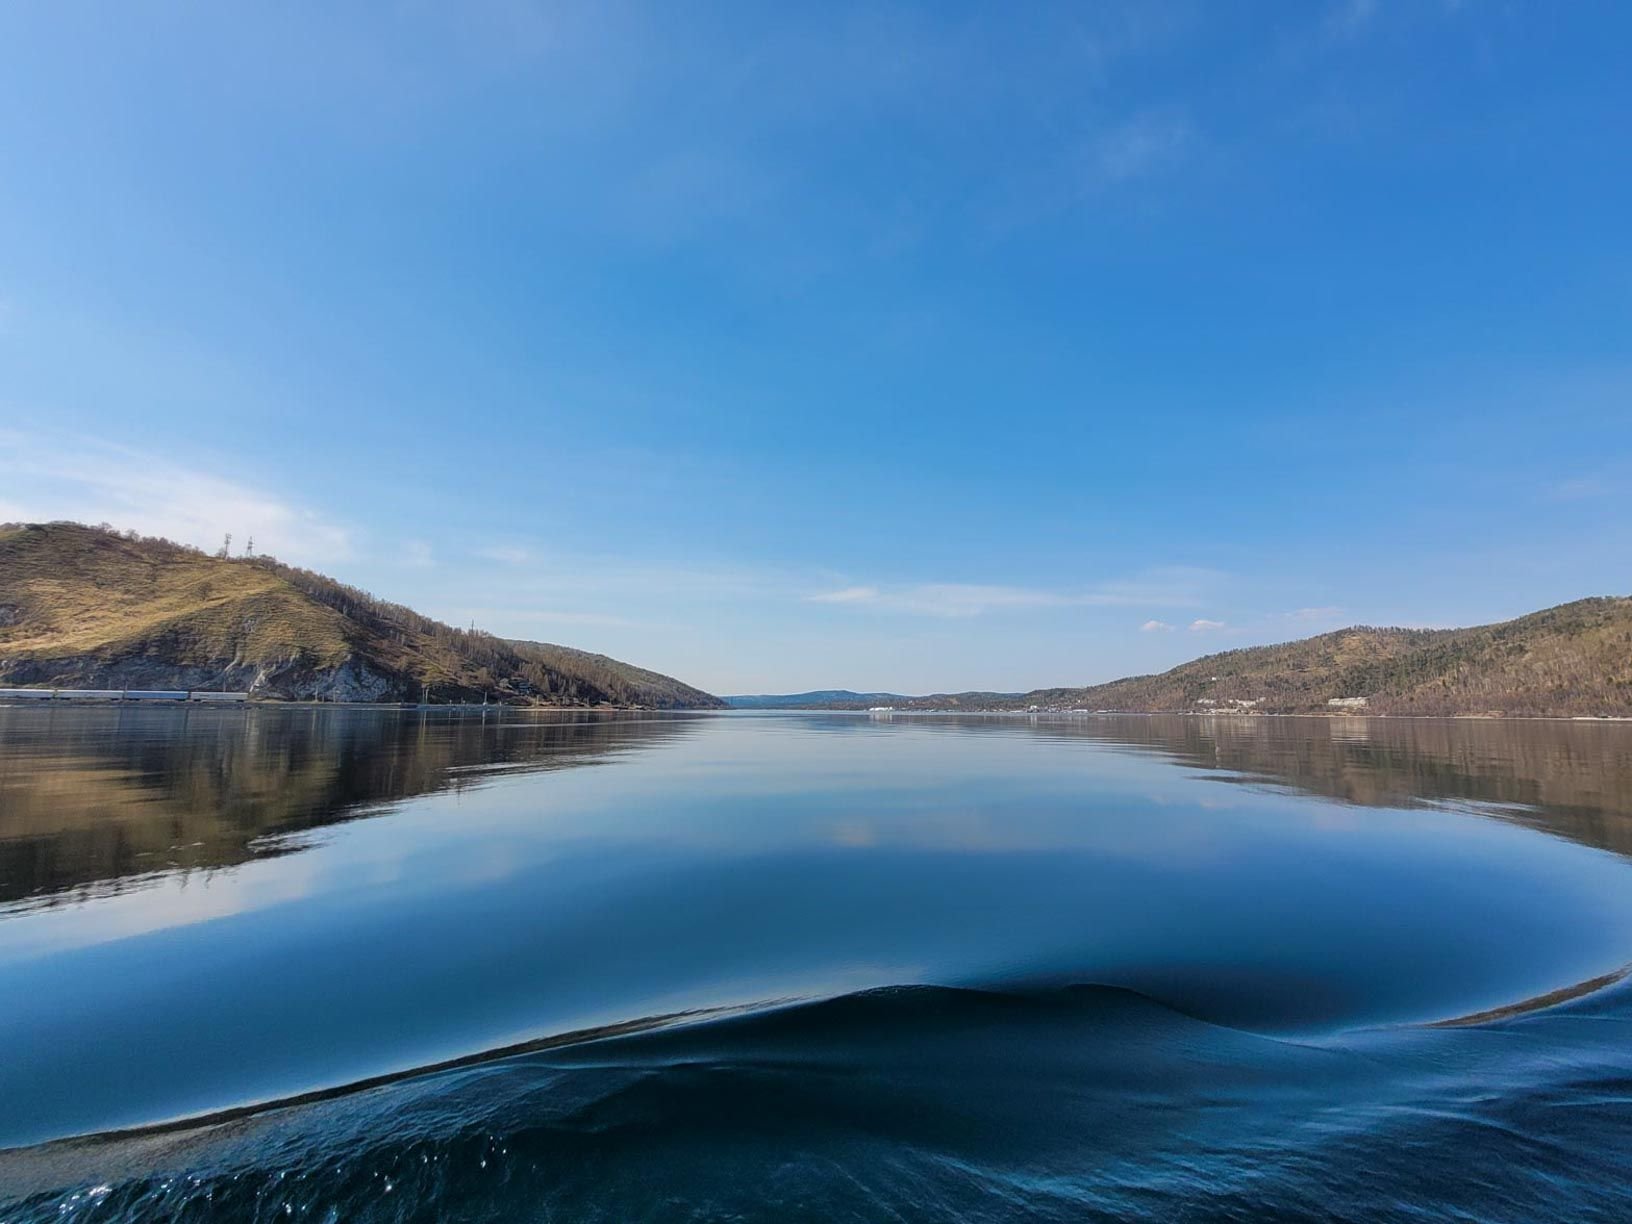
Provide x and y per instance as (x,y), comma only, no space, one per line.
(353,680)
(295,680)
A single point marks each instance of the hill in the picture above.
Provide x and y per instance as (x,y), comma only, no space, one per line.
(818,699)
(1575,659)
(845,699)
(86,607)
(1572,660)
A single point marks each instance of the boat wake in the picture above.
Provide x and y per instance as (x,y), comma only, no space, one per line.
(917,1102)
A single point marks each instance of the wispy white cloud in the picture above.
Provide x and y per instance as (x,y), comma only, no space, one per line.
(1348,19)
(418,554)
(722,170)
(1202,625)
(48,478)
(1581,488)
(1310,616)
(1164,586)
(506,554)
(686,193)
(1328,29)
(1140,145)
(510,619)
(558,574)
(1155,626)
(514,587)
(1169,587)
(855,594)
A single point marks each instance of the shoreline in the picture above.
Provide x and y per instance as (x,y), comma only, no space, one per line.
(1233,716)
(477,707)
(297,704)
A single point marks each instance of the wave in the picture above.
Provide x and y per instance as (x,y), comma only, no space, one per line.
(1546,1001)
(878,1013)
(926,1065)
(851,1021)
(917,1102)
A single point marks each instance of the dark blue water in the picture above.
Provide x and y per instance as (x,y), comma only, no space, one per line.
(320,964)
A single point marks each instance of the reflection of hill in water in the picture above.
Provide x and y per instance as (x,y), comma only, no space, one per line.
(92,798)
(1572,779)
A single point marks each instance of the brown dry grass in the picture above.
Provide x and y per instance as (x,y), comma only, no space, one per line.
(82,591)
(75,600)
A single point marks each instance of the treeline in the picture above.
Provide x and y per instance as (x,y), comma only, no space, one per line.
(467,661)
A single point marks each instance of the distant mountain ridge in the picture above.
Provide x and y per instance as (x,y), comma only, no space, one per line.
(87,607)
(1571,660)
(816,699)
(845,699)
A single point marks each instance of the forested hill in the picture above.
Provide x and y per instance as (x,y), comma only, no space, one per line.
(86,607)
(1575,659)
(1572,660)
(839,699)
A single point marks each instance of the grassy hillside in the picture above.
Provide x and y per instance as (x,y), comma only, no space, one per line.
(89,608)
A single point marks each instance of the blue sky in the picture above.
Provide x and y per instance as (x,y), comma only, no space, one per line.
(894,346)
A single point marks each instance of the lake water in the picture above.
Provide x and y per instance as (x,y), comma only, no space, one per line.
(336,964)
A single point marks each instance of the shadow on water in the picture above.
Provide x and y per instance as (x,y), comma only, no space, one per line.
(94,801)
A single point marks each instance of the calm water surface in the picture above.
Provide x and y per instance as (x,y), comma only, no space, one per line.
(355,964)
